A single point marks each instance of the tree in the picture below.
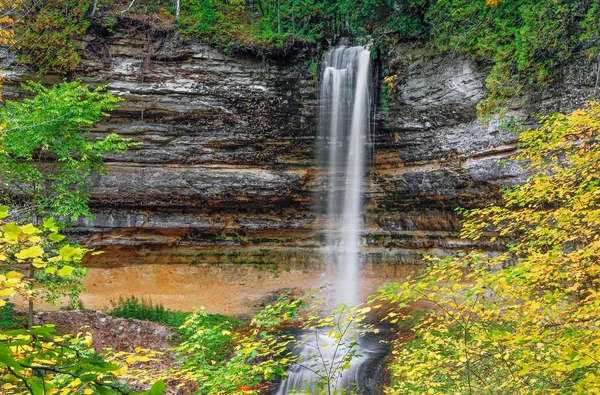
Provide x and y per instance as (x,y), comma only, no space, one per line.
(261,352)
(53,266)
(37,360)
(46,157)
(47,31)
(525,321)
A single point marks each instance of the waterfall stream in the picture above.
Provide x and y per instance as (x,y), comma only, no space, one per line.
(344,126)
(345,122)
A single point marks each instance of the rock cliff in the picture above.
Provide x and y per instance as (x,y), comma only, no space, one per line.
(433,154)
(226,172)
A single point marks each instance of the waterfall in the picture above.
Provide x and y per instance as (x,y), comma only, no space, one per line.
(344,126)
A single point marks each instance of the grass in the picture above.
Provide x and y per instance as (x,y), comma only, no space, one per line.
(133,307)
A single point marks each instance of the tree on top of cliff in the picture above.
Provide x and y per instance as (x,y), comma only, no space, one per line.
(47,32)
(524,41)
(7,21)
(46,155)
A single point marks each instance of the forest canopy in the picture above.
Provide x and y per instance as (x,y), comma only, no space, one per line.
(523,41)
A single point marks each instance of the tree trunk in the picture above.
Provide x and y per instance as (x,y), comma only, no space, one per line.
(177,7)
(30,307)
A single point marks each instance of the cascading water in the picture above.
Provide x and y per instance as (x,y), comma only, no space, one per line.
(344,127)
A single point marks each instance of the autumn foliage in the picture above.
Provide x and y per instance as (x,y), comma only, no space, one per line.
(525,321)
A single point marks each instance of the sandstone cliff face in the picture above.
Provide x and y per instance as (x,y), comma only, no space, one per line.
(433,154)
(226,142)
(226,170)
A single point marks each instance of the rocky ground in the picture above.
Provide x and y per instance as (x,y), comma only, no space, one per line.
(124,335)
(121,334)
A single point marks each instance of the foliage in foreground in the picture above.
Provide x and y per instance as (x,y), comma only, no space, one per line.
(53,266)
(526,321)
(260,351)
(38,361)
(46,153)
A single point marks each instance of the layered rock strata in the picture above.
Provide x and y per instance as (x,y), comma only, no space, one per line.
(225,172)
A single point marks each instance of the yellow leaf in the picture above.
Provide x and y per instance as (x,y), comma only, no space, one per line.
(37,262)
(29,253)
(29,229)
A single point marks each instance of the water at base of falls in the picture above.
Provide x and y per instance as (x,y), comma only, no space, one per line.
(320,354)
(344,127)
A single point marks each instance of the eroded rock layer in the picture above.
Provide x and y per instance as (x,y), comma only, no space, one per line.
(225,172)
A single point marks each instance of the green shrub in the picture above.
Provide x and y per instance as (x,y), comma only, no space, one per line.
(132,307)
(10,318)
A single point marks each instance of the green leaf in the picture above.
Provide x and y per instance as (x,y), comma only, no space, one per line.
(103,390)
(46,330)
(158,388)
(10,362)
(101,366)
(11,231)
(49,224)
(65,271)
(3,211)
(56,237)
(37,387)
(86,378)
